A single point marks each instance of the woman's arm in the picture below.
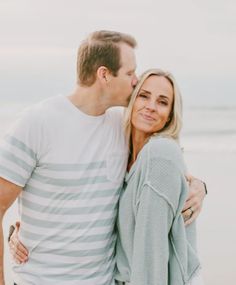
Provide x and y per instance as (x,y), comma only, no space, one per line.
(151,250)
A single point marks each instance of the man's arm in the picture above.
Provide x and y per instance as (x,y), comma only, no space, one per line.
(193,204)
(8,194)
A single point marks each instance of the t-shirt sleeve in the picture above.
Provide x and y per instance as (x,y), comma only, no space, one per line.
(19,149)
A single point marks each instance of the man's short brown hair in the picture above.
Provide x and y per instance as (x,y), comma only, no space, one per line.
(101,48)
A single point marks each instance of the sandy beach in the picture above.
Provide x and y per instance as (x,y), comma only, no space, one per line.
(216,230)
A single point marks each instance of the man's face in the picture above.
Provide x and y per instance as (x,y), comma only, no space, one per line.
(123,84)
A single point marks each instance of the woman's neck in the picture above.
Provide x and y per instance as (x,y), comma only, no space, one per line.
(138,140)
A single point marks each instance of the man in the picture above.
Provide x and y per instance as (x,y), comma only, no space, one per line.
(65,159)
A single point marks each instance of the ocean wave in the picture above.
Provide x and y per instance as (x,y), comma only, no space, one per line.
(210,133)
(209,143)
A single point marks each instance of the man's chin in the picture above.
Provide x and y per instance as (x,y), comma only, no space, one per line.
(127,101)
(125,104)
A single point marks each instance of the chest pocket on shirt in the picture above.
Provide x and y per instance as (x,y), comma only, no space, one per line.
(116,167)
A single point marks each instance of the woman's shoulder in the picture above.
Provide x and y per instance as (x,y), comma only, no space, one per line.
(166,168)
(164,147)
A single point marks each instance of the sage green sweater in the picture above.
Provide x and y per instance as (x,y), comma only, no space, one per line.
(154,246)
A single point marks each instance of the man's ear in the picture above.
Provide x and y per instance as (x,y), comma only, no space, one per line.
(103,74)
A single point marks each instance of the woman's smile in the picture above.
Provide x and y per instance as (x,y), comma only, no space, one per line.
(147,117)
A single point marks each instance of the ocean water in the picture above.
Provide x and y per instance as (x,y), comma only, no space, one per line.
(209,129)
(204,128)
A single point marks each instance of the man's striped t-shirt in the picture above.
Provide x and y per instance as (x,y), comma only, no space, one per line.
(71,167)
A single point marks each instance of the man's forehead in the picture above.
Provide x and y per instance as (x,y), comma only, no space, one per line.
(126,50)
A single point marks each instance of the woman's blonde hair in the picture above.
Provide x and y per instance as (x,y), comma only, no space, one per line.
(173,126)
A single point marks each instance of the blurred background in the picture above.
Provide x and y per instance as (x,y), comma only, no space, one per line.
(195,40)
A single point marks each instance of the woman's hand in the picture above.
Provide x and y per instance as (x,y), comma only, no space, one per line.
(18,251)
(193,204)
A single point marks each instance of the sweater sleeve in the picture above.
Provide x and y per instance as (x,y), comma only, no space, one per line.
(154,217)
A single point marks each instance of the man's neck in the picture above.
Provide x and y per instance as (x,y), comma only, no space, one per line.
(89,100)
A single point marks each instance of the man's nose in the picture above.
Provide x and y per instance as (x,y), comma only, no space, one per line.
(134,81)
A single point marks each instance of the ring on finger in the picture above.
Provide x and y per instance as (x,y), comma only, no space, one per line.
(192,212)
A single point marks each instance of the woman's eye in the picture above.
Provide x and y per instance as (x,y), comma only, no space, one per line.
(143,95)
(163,103)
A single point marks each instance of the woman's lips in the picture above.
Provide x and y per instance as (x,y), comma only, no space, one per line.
(147,117)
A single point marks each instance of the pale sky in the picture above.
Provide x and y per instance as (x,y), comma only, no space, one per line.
(196,40)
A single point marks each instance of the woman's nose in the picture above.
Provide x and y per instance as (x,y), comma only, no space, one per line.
(151,105)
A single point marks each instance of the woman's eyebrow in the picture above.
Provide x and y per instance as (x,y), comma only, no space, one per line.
(164,97)
(146,91)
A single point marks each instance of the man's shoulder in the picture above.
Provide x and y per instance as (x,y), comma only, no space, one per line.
(52,103)
(115,112)
(34,116)
(114,118)
(37,108)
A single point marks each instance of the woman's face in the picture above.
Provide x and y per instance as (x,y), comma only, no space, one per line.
(152,106)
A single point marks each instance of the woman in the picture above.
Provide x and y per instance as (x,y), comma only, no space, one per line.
(154,246)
